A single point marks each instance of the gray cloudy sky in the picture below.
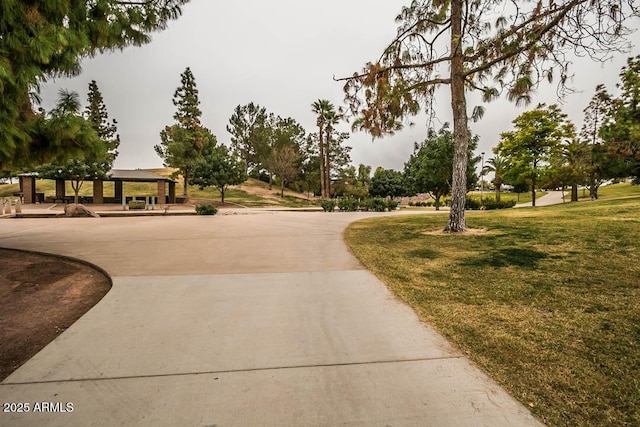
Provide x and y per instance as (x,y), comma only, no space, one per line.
(280,54)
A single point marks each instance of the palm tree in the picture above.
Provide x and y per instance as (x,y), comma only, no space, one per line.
(325,111)
(499,166)
(68,103)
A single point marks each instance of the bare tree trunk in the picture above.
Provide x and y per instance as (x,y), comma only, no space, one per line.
(498,192)
(457,221)
(327,171)
(533,189)
(187,176)
(323,189)
(574,192)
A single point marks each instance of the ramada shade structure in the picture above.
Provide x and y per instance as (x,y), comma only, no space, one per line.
(117,176)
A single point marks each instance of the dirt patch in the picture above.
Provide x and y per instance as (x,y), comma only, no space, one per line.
(467,232)
(40,297)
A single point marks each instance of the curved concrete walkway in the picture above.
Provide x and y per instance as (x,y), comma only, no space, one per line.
(241,320)
(551,198)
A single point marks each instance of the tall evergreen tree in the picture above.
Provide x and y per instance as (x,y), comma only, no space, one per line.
(96,114)
(186,141)
(247,129)
(39,39)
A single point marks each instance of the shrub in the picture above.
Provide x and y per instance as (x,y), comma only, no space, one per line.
(348,204)
(376,204)
(328,205)
(428,204)
(392,205)
(410,203)
(472,204)
(490,204)
(206,210)
(137,204)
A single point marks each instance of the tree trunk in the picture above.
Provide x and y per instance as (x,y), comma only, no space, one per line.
(76,189)
(270,181)
(593,187)
(498,192)
(574,192)
(282,190)
(533,190)
(457,221)
(323,190)
(327,170)
(186,176)
(222,191)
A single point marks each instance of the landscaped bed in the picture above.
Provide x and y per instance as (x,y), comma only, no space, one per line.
(40,297)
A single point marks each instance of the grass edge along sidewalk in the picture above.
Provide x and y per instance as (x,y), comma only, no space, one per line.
(546,300)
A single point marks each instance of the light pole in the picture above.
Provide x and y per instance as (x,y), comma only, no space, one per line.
(482,177)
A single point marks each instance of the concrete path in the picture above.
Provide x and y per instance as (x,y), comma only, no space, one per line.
(551,198)
(241,320)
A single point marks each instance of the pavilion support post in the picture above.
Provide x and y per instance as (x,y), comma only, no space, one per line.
(98,192)
(161,192)
(172,192)
(60,189)
(118,191)
(29,189)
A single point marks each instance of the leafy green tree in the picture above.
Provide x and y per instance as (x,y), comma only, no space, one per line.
(96,114)
(538,134)
(247,129)
(95,164)
(430,166)
(490,46)
(282,133)
(50,38)
(621,131)
(187,141)
(388,183)
(499,166)
(219,169)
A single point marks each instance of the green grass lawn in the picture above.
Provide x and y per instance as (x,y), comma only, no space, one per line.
(547,300)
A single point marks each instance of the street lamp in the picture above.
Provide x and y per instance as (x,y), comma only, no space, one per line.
(482,177)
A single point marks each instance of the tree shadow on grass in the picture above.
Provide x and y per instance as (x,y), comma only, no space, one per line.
(527,258)
(425,253)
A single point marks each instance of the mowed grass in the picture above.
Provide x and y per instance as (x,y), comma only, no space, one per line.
(547,300)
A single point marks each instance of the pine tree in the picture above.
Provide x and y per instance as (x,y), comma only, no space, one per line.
(47,38)
(186,142)
(491,46)
(96,114)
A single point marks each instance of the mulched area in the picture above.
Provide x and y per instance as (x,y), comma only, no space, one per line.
(40,297)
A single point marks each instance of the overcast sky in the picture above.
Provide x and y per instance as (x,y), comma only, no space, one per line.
(281,54)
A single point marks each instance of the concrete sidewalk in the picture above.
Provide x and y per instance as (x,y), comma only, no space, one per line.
(551,198)
(241,320)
